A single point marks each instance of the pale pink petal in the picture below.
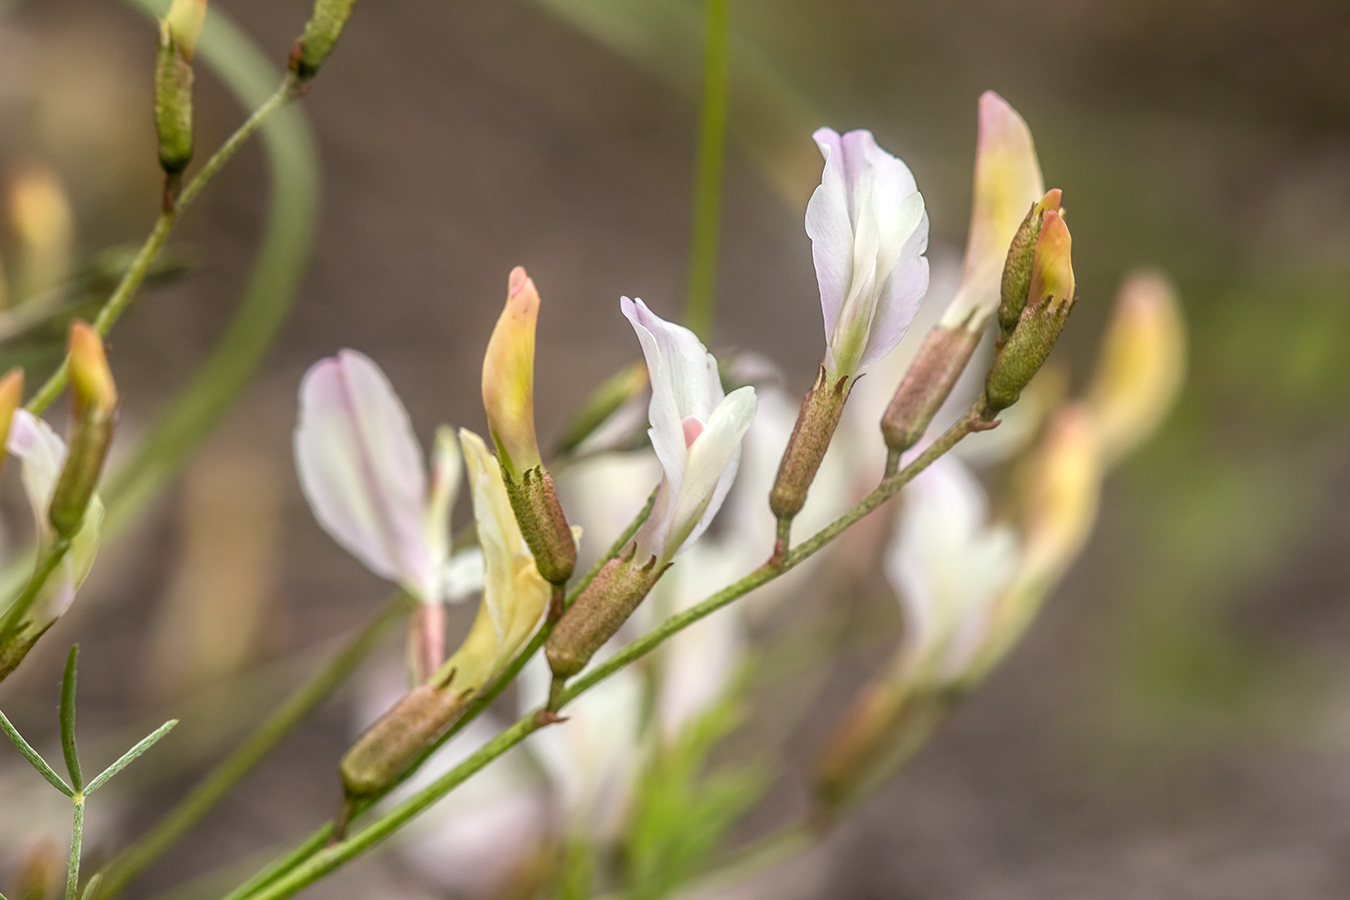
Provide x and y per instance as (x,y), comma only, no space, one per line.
(362,469)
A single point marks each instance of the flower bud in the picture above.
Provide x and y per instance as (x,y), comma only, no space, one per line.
(320,36)
(1141,367)
(1050,299)
(1017,268)
(508,377)
(44,226)
(173,102)
(597,614)
(11,397)
(819,416)
(940,361)
(185,21)
(395,741)
(93,403)
(1056,511)
(886,724)
(508,397)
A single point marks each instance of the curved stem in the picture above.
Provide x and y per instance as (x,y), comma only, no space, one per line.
(134,276)
(209,792)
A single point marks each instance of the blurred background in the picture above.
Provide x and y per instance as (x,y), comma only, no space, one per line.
(1176,722)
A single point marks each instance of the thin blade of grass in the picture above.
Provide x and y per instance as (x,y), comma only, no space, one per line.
(68,720)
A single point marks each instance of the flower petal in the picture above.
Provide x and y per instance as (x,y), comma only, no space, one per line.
(831,229)
(1007,182)
(362,470)
(41,453)
(711,469)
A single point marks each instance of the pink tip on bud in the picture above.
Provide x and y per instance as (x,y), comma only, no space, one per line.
(516,281)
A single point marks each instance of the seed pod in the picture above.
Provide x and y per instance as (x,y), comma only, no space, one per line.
(597,614)
(819,416)
(320,36)
(542,523)
(173,103)
(940,361)
(393,743)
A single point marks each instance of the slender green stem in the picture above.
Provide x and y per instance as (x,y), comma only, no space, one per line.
(330,858)
(76,839)
(325,861)
(698,308)
(271,873)
(46,565)
(212,789)
(134,276)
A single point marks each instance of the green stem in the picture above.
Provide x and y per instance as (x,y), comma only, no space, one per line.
(134,276)
(312,845)
(332,857)
(698,308)
(209,792)
(76,839)
(46,565)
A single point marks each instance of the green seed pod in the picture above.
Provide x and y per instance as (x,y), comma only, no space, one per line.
(173,103)
(320,36)
(393,743)
(819,416)
(597,614)
(542,523)
(940,361)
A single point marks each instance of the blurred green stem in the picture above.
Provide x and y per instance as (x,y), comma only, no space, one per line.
(76,840)
(698,308)
(209,792)
(134,276)
(46,565)
(337,855)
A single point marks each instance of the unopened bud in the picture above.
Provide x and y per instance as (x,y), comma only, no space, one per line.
(508,398)
(185,21)
(320,36)
(394,742)
(93,403)
(44,226)
(508,377)
(598,613)
(819,416)
(618,390)
(1141,367)
(11,396)
(940,361)
(173,102)
(1016,282)
(1050,300)
(886,724)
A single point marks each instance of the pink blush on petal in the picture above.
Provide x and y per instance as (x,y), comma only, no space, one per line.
(693,427)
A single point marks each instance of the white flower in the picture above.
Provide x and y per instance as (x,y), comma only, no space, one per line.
(42,454)
(868,234)
(696,432)
(363,473)
(950,568)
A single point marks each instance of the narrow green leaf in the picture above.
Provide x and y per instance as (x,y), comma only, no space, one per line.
(130,756)
(32,756)
(68,720)
(90,889)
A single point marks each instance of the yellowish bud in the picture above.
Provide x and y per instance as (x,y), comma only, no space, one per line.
(1141,367)
(11,396)
(508,377)
(185,21)
(1050,299)
(1016,282)
(44,225)
(173,103)
(93,403)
